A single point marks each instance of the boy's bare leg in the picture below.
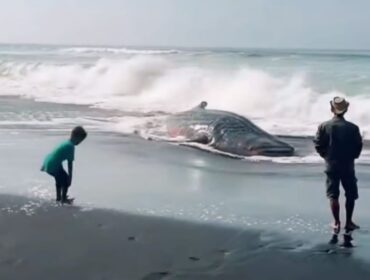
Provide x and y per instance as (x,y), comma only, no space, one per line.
(59,193)
(64,193)
(65,198)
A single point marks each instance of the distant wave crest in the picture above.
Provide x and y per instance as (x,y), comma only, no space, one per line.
(107,50)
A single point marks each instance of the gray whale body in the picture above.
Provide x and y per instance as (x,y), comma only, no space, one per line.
(226,132)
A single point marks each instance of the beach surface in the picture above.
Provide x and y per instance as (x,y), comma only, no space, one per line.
(70,242)
(158,210)
(150,210)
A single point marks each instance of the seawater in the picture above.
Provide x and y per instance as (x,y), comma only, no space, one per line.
(286,92)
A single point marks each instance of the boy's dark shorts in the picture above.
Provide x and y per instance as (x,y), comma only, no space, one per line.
(344,173)
(61,178)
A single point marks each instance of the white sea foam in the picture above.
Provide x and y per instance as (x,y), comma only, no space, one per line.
(286,105)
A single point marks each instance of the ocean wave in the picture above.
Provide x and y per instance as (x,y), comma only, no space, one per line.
(106,50)
(282,105)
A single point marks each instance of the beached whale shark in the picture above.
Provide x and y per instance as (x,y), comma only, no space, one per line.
(226,132)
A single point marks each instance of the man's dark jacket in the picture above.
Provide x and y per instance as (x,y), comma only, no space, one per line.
(338,141)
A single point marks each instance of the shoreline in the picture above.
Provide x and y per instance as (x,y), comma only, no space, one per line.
(50,242)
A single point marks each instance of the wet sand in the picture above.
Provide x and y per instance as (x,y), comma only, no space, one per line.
(279,214)
(39,240)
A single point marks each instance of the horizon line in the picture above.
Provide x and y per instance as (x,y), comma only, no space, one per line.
(168,47)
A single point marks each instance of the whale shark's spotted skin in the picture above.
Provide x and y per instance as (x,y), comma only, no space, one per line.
(227,132)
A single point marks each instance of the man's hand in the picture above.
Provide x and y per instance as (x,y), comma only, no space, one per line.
(321,141)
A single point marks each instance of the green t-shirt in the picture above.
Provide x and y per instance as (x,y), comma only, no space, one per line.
(54,160)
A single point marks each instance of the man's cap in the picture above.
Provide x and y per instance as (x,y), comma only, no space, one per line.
(339,105)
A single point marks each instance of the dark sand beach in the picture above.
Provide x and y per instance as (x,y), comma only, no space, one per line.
(55,242)
(152,210)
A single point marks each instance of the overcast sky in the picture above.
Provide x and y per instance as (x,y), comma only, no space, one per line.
(199,23)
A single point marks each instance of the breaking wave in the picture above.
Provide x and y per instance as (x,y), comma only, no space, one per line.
(286,105)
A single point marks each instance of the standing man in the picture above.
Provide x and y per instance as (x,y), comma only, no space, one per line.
(339,142)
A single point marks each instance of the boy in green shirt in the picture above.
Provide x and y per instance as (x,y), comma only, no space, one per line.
(53,163)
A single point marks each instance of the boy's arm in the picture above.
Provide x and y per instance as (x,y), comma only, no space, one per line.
(70,171)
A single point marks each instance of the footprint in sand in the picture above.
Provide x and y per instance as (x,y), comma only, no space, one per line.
(12,262)
(103,226)
(224,252)
(156,275)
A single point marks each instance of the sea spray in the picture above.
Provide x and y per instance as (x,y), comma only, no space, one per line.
(282,104)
